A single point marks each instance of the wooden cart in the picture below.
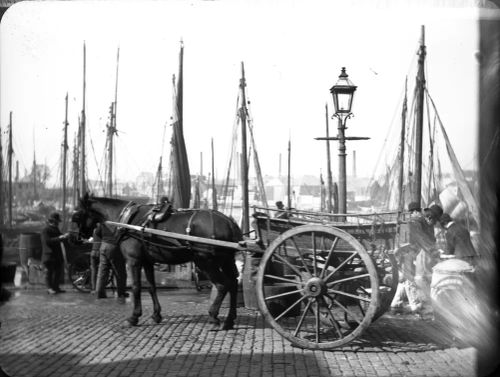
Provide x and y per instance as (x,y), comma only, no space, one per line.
(324,278)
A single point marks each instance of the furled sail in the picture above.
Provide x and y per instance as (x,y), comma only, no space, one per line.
(181,180)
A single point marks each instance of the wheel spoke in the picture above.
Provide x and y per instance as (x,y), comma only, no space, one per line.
(302,317)
(331,283)
(283,279)
(290,307)
(351,257)
(346,310)
(284,261)
(334,321)
(317,321)
(361,298)
(300,255)
(284,294)
(330,253)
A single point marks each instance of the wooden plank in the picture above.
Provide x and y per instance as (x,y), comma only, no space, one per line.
(207,241)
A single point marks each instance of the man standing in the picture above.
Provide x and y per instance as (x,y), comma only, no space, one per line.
(406,261)
(427,258)
(458,240)
(110,258)
(52,254)
(94,259)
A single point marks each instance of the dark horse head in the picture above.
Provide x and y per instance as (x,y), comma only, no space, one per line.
(142,249)
(91,211)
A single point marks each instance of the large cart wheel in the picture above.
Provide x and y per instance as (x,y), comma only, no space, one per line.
(317,286)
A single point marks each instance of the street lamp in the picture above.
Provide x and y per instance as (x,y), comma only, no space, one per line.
(343,94)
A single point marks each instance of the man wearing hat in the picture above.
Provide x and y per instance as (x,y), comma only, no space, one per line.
(52,254)
(281,212)
(458,242)
(427,259)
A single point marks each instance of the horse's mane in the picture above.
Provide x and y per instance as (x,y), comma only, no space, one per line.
(87,200)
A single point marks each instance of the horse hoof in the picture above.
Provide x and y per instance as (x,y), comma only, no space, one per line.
(156,318)
(132,321)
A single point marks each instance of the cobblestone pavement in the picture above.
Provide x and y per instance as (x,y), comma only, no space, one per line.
(72,334)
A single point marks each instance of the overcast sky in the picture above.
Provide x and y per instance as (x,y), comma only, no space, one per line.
(292,50)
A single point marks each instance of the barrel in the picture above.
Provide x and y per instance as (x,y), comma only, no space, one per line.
(30,246)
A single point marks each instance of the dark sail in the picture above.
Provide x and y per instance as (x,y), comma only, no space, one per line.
(181,181)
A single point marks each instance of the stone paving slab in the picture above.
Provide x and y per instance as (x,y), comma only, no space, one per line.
(72,334)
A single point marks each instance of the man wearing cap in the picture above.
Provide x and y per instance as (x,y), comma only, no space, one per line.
(427,258)
(52,254)
(281,212)
(458,242)
(406,261)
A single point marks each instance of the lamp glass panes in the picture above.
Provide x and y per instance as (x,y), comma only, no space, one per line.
(343,93)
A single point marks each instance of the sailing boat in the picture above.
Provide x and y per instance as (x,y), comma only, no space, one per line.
(434,179)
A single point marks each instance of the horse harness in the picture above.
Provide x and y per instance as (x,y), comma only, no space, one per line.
(158,213)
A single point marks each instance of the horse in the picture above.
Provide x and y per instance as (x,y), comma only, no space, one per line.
(142,249)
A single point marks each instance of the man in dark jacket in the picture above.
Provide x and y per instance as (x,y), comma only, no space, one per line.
(110,258)
(458,240)
(52,255)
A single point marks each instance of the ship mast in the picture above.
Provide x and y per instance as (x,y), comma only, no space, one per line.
(401,199)
(83,183)
(329,197)
(10,152)
(420,88)
(112,130)
(244,162)
(65,158)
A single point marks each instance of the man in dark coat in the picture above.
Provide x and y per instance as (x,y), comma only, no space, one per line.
(458,240)
(52,254)
(110,258)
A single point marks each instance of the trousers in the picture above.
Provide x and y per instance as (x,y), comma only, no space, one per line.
(110,258)
(94,268)
(53,274)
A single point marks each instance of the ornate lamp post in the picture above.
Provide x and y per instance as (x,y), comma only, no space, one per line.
(342,93)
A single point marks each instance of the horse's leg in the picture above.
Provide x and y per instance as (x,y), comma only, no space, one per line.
(231,281)
(215,276)
(150,276)
(131,250)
